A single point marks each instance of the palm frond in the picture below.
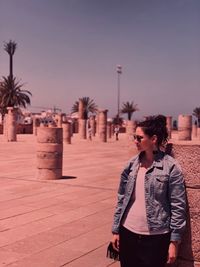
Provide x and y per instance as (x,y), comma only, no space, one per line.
(10,47)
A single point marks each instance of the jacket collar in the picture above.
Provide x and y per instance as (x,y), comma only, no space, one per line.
(158,159)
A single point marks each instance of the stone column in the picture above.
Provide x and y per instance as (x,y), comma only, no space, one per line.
(11,125)
(93,125)
(97,123)
(81,122)
(36,124)
(194,131)
(59,120)
(198,133)
(81,109)
(109,129)
(66,132)
(103,125)
(5,126)
(169,126)
(49,153)
(130,129)
(188,156)
(184,127)
(82,128)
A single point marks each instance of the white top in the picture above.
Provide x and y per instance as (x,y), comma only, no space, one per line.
(135,218)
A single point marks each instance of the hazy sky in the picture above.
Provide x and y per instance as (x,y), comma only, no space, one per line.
(70,48)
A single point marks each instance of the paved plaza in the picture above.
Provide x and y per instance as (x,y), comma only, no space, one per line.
(64,222)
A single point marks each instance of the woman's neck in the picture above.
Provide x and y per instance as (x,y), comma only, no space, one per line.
(147,159)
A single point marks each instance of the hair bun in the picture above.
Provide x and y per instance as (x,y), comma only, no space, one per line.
(160,120)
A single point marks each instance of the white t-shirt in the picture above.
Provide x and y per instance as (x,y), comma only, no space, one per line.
(135,218)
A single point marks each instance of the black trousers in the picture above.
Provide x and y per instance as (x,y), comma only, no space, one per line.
(143,250)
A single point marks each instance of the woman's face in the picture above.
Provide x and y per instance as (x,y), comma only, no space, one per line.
(143,142)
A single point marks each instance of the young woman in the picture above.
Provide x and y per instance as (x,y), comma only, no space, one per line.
(150,216)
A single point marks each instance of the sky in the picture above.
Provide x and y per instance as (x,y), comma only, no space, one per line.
(69,49)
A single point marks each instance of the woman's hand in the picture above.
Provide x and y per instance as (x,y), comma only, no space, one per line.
(172,252)
(115,241)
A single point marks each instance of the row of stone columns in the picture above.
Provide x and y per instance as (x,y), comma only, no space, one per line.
(187,130)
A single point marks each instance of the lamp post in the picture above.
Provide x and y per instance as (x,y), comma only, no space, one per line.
(119,71)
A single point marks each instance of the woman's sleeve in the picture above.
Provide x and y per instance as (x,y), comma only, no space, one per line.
(120,198)
(177,196)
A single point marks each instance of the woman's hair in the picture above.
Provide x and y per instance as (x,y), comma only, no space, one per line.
(155,125)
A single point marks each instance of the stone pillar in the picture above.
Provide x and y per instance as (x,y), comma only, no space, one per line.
(59,120)
(49,153)
(82,128)
(36,124)
(11,125)
(109,129)
(93,124)
(194,131)
(130,129)
(112,129)
(81,122)
(169,126)
(66,132)
(184,127)
(97,123)
(103,125)
(198,133)
(5,126)
(188,156)
(81,109)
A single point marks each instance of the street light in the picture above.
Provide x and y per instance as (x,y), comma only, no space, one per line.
(119,71)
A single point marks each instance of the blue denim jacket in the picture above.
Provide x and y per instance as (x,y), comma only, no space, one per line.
(164,195)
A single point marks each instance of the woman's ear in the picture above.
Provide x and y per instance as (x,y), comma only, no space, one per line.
(154,139)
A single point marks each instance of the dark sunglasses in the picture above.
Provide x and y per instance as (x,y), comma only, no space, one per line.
(138,138)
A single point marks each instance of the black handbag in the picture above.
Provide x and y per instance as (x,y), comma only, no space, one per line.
(112,253)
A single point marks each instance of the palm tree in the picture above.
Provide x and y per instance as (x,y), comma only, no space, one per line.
(129,108)
(10,48)
(89,106)
(196,113)
(12,94)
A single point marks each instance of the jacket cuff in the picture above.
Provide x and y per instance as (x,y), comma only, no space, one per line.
(175,237)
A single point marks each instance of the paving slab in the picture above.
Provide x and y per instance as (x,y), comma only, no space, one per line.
(65,222)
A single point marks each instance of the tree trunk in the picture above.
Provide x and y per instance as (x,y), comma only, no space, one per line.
(11,66)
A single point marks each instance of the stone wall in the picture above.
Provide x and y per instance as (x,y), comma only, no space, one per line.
(188,155)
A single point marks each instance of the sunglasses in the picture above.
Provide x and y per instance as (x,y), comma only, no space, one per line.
(138,137)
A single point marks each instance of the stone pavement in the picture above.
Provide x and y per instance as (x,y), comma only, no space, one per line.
(64,222)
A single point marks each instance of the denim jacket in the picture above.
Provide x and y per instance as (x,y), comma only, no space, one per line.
(165,196)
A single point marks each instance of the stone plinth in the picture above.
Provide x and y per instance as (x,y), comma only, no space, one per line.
(66,132)
(11,127)
(184,127)
(188,155)
(194,131)
(169,126)
(49,153)
(103,125)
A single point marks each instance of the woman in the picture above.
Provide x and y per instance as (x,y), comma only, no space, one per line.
(150,216)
